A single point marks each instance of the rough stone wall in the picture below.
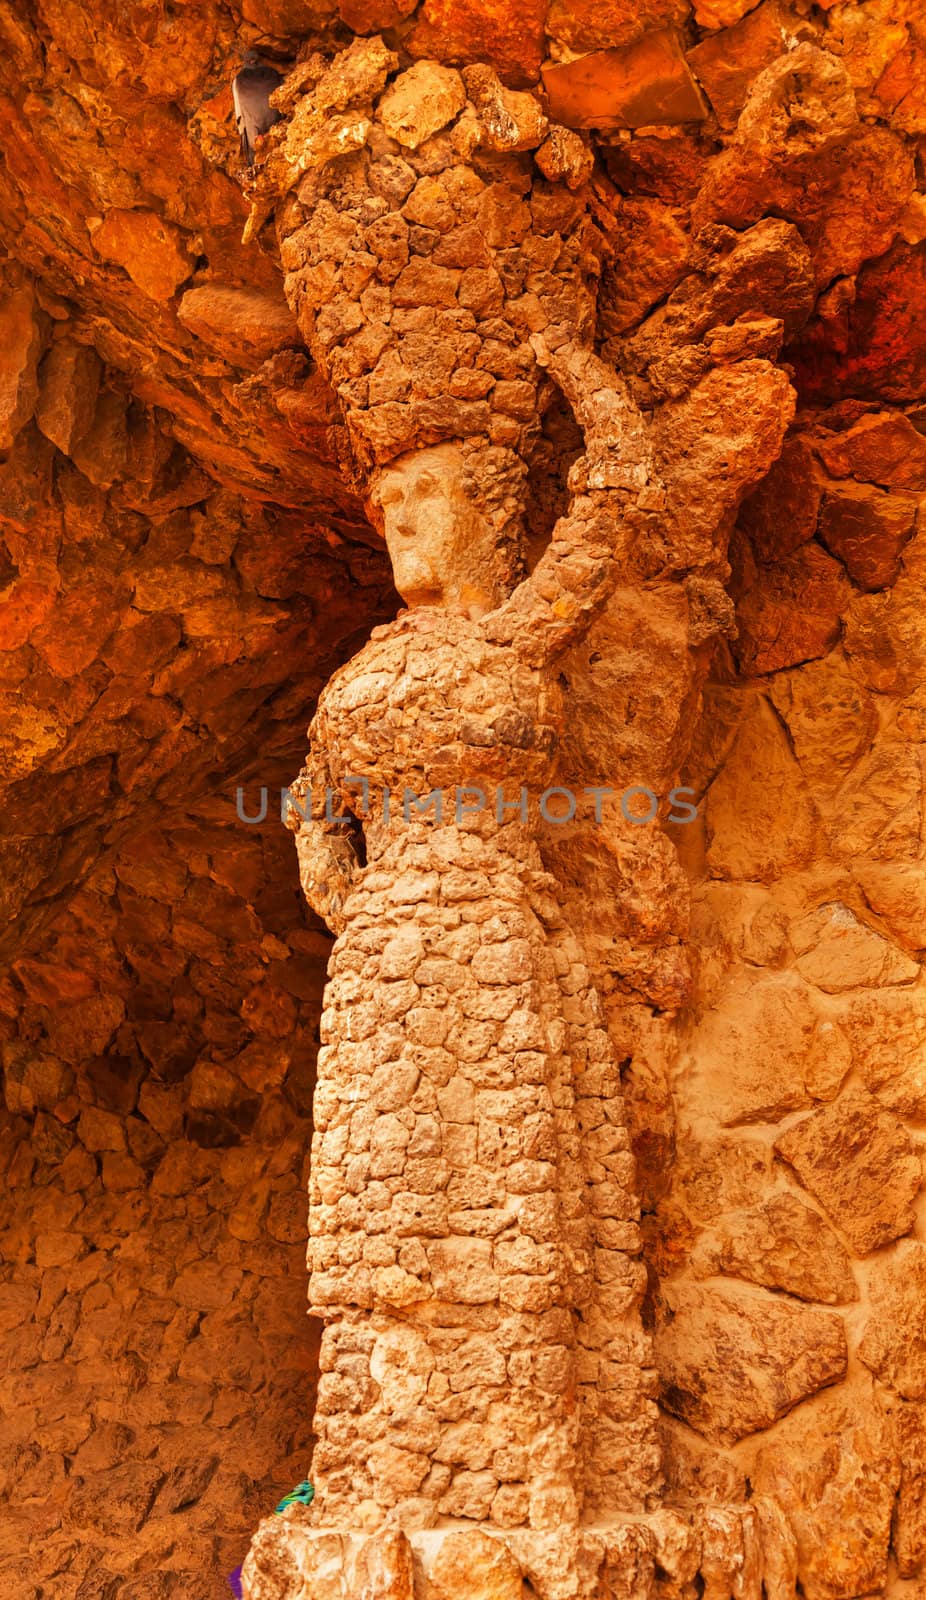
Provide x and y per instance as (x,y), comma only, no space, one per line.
(156,1351)
(797,1194)
(160,998)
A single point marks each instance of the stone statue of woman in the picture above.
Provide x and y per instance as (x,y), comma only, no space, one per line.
(474,1244)
(472,1210)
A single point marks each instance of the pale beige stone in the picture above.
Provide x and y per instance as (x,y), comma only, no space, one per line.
(833,1470)
(437,539)
(476,1565)
(420,102)
(775,1354)
(893,1344)
(383,1569)
(401,1363)
(782,1244)
(835,951)
(285,1562)
(861,1164)
(760,820)
(765,1047)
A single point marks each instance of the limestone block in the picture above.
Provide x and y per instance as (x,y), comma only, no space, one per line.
(33,1080)
(629,1566)
(781,513)
(893,1343)
(788,612)
(694,1470)
(782,1244)
(21,341)
(775,1354)
(285,1562)
(470,1495)
(727,62)
(830,719)
(909,1536)
(862,1166)
(867,530)
(509,120)
(648,82)
(765,1047)
(896,892)
(473,1566)
(246,326)
(729,1564)
(383,1569)
(884,638)
(652,252)
(887,1031)
(833,1470)
(677,1548)
(883,449)
(401,1363)
(421,101)
(70,379)
(722,1174)
(153,252)
(585,25)
(779,1549)
(563,154)
(878,813)
(508,34)
(462,1270)
(118,1501)
(835,951)
(760,821)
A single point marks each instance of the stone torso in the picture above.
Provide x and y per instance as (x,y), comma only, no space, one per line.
(429,703)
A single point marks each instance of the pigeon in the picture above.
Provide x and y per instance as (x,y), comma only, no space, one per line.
(251,91)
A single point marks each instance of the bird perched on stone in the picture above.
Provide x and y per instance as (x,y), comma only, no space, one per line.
(302,1495)
(252,87)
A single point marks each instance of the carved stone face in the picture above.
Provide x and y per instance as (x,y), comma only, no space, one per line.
(442,548)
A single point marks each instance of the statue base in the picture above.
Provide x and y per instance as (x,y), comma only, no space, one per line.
(675,1553)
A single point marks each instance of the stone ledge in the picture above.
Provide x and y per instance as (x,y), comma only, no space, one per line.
(746,1549)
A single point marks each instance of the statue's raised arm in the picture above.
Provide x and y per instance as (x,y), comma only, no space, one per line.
(615,485)
(651,495)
